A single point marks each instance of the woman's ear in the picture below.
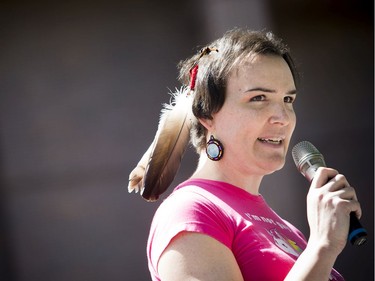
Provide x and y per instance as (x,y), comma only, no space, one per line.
(207,123)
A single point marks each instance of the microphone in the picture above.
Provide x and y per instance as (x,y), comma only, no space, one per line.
(308,159)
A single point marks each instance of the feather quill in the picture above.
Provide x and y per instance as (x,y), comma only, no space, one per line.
(160,163)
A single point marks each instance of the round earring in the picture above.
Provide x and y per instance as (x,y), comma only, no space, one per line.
(214,149)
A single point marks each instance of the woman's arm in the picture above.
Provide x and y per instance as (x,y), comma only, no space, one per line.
(194,256)
(329,204)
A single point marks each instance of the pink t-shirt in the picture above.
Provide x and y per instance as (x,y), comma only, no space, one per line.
(265,246)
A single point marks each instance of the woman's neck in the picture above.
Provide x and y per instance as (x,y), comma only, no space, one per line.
(218,170)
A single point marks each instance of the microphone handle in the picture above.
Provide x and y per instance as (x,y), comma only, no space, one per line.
(357,234)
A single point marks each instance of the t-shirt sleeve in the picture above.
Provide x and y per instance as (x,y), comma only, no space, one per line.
(186,210)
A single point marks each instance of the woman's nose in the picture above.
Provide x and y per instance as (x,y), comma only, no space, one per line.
(280,114)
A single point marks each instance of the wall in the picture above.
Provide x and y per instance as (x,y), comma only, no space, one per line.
(81,89)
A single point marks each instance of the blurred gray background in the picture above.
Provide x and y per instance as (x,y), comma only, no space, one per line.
(81,85)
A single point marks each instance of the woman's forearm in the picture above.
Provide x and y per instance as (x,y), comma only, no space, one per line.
(314,264)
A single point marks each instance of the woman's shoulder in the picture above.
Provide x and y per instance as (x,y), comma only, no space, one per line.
(193,202)
(186,197)
(190,208)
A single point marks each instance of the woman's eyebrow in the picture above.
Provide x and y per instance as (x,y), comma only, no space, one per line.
(261,89)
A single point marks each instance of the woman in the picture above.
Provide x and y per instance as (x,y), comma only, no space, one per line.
(216,225)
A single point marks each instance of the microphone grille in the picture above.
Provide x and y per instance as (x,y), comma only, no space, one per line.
(301,149)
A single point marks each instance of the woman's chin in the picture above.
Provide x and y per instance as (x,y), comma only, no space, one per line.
(272,166)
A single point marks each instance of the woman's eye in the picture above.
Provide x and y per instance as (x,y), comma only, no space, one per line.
(258,98)
(288,99)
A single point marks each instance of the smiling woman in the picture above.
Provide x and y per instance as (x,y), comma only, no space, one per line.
(216,225)
(254,125)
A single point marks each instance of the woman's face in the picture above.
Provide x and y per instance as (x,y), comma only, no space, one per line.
(257,119)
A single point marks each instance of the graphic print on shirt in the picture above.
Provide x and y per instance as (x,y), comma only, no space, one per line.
(285,244)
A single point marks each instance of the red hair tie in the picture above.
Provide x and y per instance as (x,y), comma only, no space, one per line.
(193,77)
(194,69)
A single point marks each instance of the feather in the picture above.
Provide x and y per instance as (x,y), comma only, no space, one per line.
(160,163)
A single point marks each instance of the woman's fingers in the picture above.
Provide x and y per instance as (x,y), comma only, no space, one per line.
(334,186)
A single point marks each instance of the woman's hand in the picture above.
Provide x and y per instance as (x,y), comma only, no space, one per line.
(330,201)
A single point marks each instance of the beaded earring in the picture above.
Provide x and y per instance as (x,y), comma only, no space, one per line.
(214,149)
